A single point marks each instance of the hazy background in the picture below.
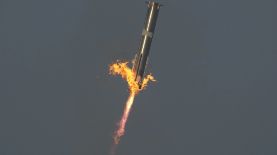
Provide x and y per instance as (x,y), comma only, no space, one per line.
(215,62)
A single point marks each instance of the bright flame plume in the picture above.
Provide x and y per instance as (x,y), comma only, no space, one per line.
(121,126)
(121,68)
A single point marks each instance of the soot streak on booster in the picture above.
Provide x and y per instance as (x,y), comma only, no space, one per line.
(145,42)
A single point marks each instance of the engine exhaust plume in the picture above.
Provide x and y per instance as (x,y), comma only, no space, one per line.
(121,126)
(121,68)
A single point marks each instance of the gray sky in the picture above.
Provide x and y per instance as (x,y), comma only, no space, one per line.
(215,62)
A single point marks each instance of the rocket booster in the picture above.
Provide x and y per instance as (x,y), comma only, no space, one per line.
(141,57)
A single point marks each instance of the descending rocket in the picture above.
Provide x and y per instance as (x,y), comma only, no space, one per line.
(140,60)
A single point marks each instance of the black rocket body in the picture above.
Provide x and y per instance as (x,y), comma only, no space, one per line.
(145,42)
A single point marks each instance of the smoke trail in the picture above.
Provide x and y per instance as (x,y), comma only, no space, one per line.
(121,125)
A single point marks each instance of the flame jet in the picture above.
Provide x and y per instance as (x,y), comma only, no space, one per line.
(141,57)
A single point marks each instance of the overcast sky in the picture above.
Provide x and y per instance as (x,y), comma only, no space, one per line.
(214,61)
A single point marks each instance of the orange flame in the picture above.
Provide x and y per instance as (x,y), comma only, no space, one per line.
(121,68)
